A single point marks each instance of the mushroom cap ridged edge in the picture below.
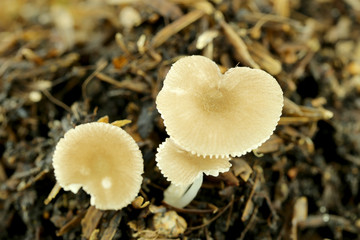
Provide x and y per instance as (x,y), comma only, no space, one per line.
(132,146)
(161,160)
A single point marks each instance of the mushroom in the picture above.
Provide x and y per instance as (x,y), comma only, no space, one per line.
(185,172)
(102,159)
(213,114)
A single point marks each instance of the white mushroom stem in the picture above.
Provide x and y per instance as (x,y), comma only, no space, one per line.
(181,195)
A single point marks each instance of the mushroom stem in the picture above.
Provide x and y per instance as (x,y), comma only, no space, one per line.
(181,195)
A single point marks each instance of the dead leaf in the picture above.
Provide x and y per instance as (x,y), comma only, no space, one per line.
(169,224)
(241,168)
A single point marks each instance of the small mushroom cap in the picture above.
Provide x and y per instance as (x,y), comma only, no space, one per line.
(104,160)
(182,168)
(210,113)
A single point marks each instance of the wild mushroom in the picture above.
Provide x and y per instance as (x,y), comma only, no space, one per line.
(214,114)
(102,159)
(185,172)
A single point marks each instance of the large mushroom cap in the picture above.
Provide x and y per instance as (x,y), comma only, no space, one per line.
(210,113)
(182,168)
(104,160)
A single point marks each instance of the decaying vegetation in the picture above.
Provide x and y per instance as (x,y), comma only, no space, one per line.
(64,63)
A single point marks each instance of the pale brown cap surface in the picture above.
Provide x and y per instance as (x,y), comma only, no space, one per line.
(182,168)
(102,159)
(216,114)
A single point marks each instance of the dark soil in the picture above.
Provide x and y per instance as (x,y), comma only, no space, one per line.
(64,63)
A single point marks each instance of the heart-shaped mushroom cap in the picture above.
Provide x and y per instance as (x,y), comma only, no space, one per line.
(102,159)
(214,114)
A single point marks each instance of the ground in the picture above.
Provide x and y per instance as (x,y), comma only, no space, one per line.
(64,63)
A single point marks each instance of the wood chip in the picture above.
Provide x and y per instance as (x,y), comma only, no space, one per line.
(90,221)
(31,56)
(110,231)
(54,191)
(74,222)
(300,210)
(230,178)
(169,224)
(265,60)
(135,86)
(139,203)
(165,8)
(282,7)
(241,168)
(164,34)
(241,50)
(32,180)
(205,38)
(249,206)
(104,119)
(291,108)
(94,235)
(297,115)
(273,144)
(121,123)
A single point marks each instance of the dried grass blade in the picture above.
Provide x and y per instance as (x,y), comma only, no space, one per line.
(242,53)
(176,26)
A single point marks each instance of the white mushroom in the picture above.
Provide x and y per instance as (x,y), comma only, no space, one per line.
(102,159)
(185,172)
(214,114)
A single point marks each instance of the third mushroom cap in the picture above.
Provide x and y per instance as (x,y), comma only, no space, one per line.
(214,114)
(102,159)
